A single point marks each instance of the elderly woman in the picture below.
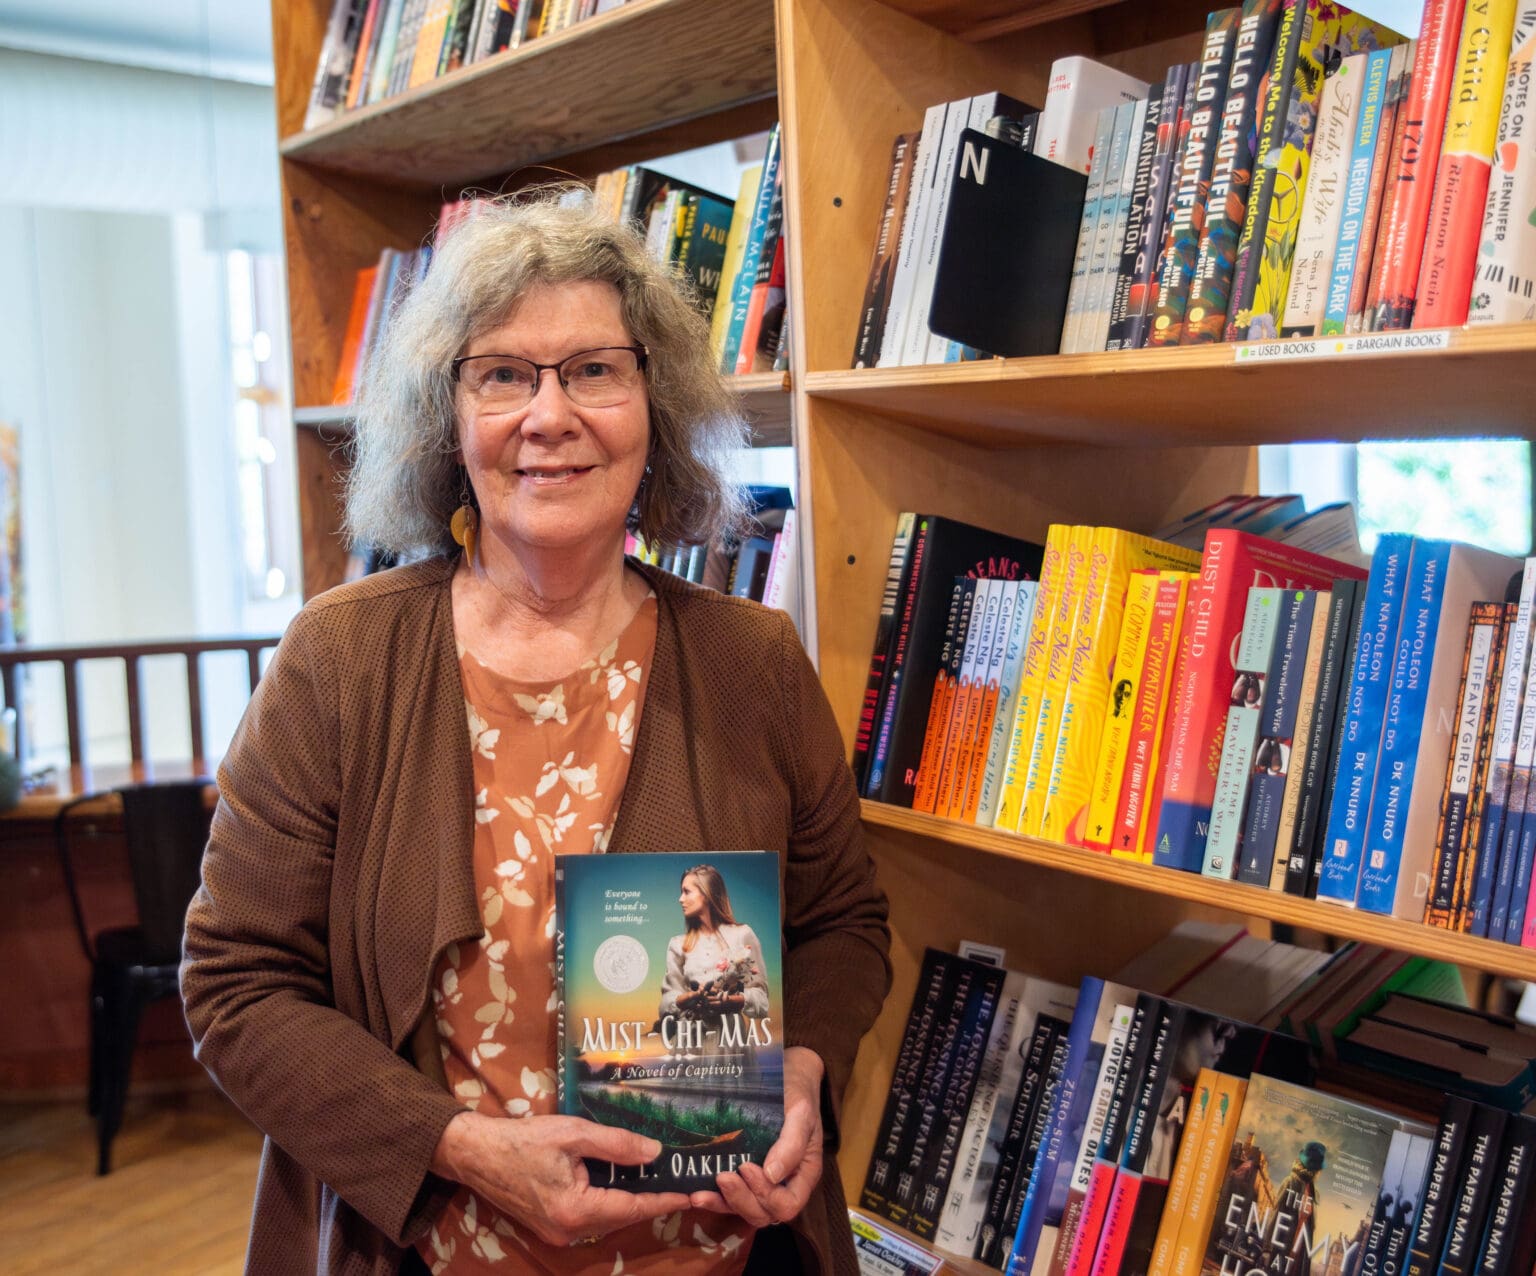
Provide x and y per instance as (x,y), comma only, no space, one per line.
(369,963)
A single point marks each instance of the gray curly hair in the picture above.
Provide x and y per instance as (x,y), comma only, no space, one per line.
(406,479)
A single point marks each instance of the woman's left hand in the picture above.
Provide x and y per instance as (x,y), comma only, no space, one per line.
(777,1190)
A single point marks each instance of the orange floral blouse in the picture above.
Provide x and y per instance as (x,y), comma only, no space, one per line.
(550,762)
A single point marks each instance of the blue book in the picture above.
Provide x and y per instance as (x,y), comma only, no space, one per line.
(746,276)
(1398,865)
(1500,772)
(1357,185)
(1525,861)
(1367,704)
(1514,808)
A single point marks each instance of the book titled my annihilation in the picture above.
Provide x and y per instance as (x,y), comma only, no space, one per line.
(669,1027)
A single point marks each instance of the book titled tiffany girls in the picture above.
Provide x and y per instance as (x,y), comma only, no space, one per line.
(671,1008)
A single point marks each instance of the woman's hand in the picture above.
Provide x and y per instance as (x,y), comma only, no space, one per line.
(777,1191)
(530,1168)
(724,1003)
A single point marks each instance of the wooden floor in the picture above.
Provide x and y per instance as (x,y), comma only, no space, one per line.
(178,1199)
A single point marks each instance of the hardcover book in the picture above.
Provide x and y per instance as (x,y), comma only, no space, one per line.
(671,1019)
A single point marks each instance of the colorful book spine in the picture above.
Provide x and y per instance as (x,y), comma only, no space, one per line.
(1474,882)
(1360,740)
(1317,234)
(967,704)
(1214,1153)
(1191,186)
(1134,811)
(1357,191)
(770,270)
(1420,128)
(1455,223)
(735,250)
(1233,561)
(1293,757)
(880,737)
(1130,247)
(1176,1202)
(1367,272)
(1115,733)
(1007,701)
(1271,759)
(768,188)
(1141,291)
(1226,200)
(897,573)
(1517,807)
(1503,289)
(1034,1146)
(1501,770)
(1263,620)
(946,688)
(988,694)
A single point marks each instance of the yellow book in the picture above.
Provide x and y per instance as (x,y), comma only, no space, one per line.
(1073,746)
(1216,1146)
(1022,730)
(429,42)
(735,247)
(1204,1090)
(1115,731)
(1051,683)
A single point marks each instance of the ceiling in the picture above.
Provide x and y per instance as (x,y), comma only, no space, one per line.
(229,39)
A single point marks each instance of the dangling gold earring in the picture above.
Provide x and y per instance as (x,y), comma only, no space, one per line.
(464,526)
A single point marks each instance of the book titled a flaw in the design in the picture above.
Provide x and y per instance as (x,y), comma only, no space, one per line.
(671,1008)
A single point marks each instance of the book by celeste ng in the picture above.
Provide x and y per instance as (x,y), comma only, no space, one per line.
(671,1008)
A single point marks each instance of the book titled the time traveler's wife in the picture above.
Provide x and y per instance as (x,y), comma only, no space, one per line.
(671,1008)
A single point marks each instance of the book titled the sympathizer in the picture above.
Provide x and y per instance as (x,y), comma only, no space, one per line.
(671,1008)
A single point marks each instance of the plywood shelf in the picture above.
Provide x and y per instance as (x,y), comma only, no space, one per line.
(1213,396)
(640,69)
(1230,897)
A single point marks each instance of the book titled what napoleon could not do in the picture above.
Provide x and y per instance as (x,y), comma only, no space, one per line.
(671,1008)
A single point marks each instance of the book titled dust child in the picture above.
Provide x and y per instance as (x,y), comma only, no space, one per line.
(671,1008)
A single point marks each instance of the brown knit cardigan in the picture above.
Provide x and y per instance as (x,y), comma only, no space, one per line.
(338,870)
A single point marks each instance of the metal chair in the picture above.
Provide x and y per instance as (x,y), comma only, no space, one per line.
(165,826)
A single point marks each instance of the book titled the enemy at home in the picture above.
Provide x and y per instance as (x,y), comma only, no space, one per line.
(671,1008)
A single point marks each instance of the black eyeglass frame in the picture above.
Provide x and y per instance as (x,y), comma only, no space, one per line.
(642,357)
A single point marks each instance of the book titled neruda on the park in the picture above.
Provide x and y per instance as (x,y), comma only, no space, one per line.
(671,1008)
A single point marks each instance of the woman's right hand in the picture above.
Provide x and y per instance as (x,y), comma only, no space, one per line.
(531,1170)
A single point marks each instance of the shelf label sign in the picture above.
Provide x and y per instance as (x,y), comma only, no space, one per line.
(1327,347)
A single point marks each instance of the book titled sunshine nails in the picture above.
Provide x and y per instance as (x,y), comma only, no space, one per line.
(671,1008)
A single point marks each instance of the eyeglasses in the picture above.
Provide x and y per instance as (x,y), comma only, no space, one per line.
(601,378)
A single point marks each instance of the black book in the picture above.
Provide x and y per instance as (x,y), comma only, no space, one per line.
(1469,1206)
(898,573)
(751,572)
(1440,1184)
(1509,1240)
(1344,607)
(1039,1128)
(1142,194)
(1315,849)
(1005,260)
(943,548)
(928,1001)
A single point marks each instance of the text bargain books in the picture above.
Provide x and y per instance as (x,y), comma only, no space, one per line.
(1311,173)
(671,1008)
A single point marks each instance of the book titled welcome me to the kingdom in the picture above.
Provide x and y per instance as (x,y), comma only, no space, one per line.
(671,1008)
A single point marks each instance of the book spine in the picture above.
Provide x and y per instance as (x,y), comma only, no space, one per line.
(1037,1059)
(1191,187)
(1226,198)
(1262,625)
(1105,271)
(1034,1146)
(1339,110)
(1455,224)
(1277,739)
(1007,702)
(899,311)
(946,687)
(978,639)
(1360,741)
(1403,725)
(1142,287)
(1503,291)
(333,69)
(880,739)
(877,290)
(770,258)
(1293,758)
(1136,220)
(1518,803)
(1469,1209)
(930,226)
(1421,126)
(366,41)
(989,689)
(1357,192)
(1362,300)
(1093,199)
(1509,1238)
(1438,1195)
(1211,1164)
(1177,1199)
(752,254)
(1472,877)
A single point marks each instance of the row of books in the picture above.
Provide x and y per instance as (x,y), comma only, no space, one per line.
(375,49)
(1310,174)
(1255,710)
(1046,1129)
(763,566)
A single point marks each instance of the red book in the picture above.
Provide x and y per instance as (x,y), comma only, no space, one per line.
(1420,128)
(1372,227)
(946,686)
(771,262)
(1233,563)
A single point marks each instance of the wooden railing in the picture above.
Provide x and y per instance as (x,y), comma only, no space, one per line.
(132,655)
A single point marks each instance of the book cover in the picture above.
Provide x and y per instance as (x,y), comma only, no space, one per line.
(1272,755)
(1401,1183)
(703,251)
(1141,288)
(1135,808)
(1338,110)
(1302,1184)
(1427,1236)
(1305,723)
(1420,129)
(1455,224)
(1233,562)
(1349,243)
(1191,185)
(1226,198)
(1365,700)
(1503,291)
(667,1028)
(882,265)
(1398,860)
(1365,290)
(1214,1153)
